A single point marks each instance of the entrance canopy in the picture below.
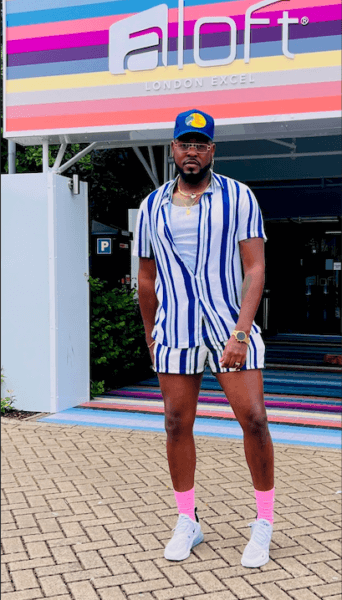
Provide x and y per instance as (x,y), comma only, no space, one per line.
(118,72)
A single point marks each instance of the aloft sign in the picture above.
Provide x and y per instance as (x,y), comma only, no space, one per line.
(129,36)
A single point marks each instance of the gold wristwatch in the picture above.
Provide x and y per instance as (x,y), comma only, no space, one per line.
(241,336)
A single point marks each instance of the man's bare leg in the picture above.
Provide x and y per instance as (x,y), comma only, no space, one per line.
(244,390)
(180,394)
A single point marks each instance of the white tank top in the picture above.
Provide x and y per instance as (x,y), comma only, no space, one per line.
(185,230)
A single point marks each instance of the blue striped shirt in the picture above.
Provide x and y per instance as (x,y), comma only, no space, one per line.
(229,213)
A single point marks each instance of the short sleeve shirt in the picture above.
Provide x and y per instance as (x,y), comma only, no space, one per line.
(229,213)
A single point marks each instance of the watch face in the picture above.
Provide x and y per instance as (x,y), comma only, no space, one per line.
(240,336)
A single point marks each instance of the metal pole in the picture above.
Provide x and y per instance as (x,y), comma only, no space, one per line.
(171,167)
(75,158)
(285,155)
(59,156)
(153,163)
(45,156)
(146,165)
(166,155)
(11,157)
(281,143)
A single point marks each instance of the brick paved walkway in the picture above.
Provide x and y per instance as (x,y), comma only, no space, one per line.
(86,513)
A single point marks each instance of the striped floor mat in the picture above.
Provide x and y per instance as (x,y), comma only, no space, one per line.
(307,403)
(276,381)
(218,411)
(226,427)
(301,349)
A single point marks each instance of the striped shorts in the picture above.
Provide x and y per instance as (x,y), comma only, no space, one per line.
(188,361)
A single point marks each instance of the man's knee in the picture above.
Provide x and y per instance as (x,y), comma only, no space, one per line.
(177,424)
(256,424)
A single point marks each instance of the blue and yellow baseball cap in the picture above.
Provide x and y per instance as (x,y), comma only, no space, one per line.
(194,121)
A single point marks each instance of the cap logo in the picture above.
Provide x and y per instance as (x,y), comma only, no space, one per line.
(196,120)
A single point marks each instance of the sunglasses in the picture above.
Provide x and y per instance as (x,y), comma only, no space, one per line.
(200,148)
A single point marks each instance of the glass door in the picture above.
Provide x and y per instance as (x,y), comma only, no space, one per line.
(303,277)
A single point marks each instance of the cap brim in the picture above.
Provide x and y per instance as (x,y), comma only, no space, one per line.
(193,130)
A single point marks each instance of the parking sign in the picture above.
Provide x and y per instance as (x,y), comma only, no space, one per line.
(104,246)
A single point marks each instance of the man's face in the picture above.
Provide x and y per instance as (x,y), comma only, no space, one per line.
(193,165)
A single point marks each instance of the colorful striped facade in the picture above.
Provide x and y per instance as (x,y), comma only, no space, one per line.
(58,79)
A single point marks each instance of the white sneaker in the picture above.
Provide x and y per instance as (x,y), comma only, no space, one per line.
(187,534)
(256,553)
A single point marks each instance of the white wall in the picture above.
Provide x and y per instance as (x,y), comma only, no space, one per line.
(72,273)
(132,219)
(45,292)
(25,340)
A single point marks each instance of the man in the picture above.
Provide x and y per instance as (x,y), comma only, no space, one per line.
(197,306)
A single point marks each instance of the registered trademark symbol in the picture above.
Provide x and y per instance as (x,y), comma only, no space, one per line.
(304,20)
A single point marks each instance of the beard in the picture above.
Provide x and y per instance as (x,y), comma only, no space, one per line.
(193,178)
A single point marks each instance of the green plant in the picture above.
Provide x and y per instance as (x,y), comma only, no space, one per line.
(6,403)
(117,340)
(97,388)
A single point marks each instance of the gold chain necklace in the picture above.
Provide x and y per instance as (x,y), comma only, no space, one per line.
(193,196)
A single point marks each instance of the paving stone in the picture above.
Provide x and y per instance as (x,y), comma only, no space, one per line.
(30,564)
(183,591)
(146,586)
(334,546)
(303,594)
(63,554)
(299,582)
(112,593)
(11,545)
(205,565)
(37,549)
(271,591)
(141,596)
(121,579)
(24,580)
(310,543)
(24,595)
(240,587)
(308,559)
(208,581)
(225,595)
(148,542)
(293,566)
(57,569)
(118,564)
(230,555)
(329,589)
(53,585)
(83,590)
(147,570)
(177,576)
(325,572)
(90,574)
(16,557)
(90,560)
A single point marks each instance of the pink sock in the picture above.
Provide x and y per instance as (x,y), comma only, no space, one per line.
(265,503)
(186,503)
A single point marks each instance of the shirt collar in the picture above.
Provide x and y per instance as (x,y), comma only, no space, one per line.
(214,184)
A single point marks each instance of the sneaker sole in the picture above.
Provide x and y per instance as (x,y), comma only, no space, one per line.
(196,541)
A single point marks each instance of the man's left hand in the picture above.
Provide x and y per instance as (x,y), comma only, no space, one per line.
(234,352)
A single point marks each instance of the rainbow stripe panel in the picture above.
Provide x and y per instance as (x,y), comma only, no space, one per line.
(58,77)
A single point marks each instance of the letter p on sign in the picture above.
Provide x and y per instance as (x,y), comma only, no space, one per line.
(104,246)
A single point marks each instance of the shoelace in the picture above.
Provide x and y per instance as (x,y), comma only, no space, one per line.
(259,533)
